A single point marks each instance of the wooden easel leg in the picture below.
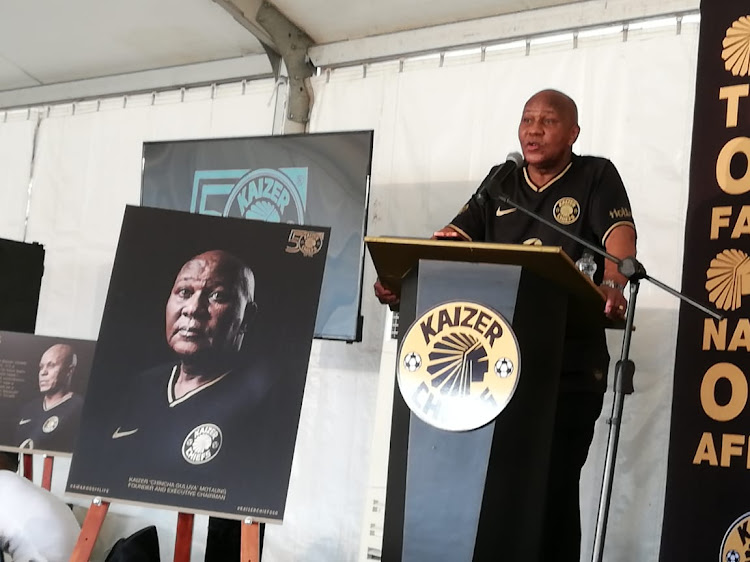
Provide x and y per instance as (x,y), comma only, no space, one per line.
(184,540)
(250,542)
(47,472)
(89,531)
(28,466)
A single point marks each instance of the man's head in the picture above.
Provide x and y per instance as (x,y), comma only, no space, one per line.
(9,461)
(56,369)
(548,129)
(210,307)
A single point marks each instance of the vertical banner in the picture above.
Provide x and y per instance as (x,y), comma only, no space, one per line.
(707,506)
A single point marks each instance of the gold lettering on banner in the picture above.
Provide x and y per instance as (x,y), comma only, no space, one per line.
(733,94)
(715,335)
(728,184)
(738,398)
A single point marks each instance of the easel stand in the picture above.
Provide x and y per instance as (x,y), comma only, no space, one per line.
(92,524)
(28,469)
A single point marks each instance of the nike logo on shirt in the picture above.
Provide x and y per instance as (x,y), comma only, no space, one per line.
(117,434)
(23,422)
(503,212)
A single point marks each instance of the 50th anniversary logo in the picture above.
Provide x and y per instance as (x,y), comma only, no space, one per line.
(266,194)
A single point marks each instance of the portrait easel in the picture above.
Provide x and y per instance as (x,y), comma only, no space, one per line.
(28,469)
(92,524)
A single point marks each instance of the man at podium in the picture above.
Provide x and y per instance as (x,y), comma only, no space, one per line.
(585,196)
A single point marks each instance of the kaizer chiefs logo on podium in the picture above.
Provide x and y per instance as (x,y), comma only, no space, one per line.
(728,279)
(458,366)
(736,47)
(734,547)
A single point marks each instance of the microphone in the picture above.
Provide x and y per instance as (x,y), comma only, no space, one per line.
(512,161)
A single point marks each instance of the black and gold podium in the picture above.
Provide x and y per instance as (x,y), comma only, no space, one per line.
(479,495)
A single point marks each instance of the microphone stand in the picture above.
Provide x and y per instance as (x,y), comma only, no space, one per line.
(634,271)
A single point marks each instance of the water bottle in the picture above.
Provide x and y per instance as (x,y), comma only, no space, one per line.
(587,265)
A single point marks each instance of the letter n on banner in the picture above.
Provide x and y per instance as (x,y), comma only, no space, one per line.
(707,505)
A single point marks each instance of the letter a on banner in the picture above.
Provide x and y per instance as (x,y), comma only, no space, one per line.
(707,505)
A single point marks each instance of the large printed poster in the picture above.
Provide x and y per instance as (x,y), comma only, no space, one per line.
(200,366)
(707,510)
(319,179)
(42,388)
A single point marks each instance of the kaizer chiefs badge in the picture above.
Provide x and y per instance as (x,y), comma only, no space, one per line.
(267,195)
(50,424)
(566,210)
(458,366)
(202,444)
(736,543)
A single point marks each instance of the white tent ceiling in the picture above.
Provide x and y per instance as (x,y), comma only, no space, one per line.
(64,50)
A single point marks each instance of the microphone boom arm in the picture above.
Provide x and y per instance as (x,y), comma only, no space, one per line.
(629,267)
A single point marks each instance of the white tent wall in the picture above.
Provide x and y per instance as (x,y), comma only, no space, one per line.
(438,129)
(16,148)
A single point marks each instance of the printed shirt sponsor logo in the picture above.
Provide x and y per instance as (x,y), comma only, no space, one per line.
(566,210)
(728,279)
(458,366)
(621,213)
(736,47)
(266,194)
(50,424)
(202,444)
(308,242)
(736,544)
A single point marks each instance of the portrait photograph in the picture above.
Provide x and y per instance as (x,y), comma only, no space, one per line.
(43,382)
(197,381)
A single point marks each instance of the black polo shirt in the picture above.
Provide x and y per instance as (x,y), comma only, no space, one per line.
(588,199)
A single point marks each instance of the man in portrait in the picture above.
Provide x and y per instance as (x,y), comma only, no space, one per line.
(188,420)
(50,421)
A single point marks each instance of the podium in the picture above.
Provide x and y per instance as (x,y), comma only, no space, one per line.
(480,495)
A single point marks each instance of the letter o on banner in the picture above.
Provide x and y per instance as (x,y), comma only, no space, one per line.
(738,399)
(726,182)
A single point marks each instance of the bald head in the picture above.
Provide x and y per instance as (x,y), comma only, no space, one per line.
(563,103)
(229,266)
(547,132)
(56,368)
(209,307)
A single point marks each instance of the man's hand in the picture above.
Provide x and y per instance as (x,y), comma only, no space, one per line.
(621,244)
(384,295)
(447,233)
(616,304)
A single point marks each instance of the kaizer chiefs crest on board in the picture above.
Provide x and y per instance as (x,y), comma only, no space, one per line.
(458,365)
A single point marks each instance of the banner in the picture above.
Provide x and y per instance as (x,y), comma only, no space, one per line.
(319,179)
(707,506)
(200,366)
(42,388)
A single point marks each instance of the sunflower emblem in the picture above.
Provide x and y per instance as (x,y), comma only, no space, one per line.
(728,279)
(736,51)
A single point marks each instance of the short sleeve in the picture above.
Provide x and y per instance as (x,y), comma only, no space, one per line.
(610,206)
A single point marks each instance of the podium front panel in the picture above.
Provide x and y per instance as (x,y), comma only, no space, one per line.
(456,495)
